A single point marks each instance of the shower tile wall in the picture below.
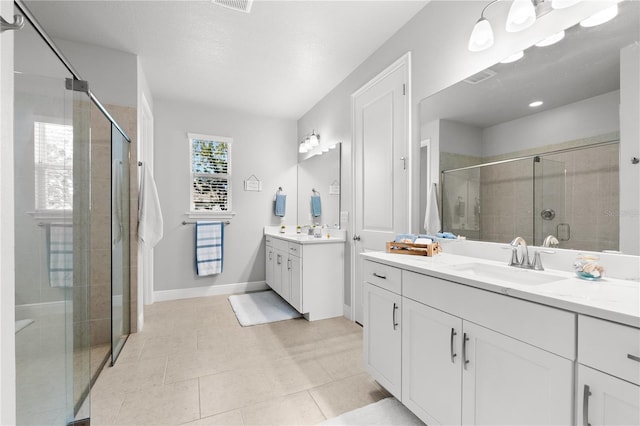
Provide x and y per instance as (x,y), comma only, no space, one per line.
(100,291)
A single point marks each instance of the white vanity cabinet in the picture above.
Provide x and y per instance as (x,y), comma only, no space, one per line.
(459,366)
(310,277)
(383,326)
(468,356)
(608,385)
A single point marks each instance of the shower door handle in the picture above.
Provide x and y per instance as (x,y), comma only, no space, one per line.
(18,23)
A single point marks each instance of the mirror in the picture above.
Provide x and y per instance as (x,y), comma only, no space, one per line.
(322,174)
(546,170)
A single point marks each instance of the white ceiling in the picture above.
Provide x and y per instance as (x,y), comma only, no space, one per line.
(279,60)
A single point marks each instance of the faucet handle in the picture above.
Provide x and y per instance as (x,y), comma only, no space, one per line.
(514,256)
(537,262)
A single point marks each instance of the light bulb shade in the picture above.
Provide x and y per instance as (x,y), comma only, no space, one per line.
(307,144)
(522,15)
(303,148)
(601,17)
(551,39)
(313,139)
(481,37)
(563,4)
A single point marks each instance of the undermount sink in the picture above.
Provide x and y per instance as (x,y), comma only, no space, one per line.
(507,273)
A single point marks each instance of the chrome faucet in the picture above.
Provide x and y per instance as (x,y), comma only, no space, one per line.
(523,262)
(550,241)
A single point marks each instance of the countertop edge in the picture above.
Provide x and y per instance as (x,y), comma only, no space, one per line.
(401,261)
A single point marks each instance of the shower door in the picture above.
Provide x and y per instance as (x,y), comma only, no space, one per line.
(120,272)
(549,212)
(51,192)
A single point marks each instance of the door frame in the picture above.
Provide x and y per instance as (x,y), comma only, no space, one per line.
(403,61)
(7,224)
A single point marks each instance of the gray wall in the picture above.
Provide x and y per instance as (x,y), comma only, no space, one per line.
(262,146)
(437,37)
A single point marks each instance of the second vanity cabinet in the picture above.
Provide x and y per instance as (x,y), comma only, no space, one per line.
(470,356)
(608,391)
(310,277)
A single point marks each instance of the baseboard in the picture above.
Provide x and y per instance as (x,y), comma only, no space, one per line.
(214,290)
(346,311)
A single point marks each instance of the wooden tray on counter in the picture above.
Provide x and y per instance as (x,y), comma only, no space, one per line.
(413,249)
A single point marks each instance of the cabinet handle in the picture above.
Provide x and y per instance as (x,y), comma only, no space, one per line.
(633,357)
(279,260)
(270,255)
(585,406)
(289,264)
(384,277)
(453,355)
(395,308)
(465,361)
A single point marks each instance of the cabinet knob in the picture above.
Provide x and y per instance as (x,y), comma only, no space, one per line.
(356,237)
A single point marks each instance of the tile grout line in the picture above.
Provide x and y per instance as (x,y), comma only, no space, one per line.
(317,405)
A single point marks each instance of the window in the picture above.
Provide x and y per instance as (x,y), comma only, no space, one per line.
(53,156)
(210,174)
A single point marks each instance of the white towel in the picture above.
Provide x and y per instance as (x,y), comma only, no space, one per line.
(60,251)
(209,247)
(150,222)
(431,215)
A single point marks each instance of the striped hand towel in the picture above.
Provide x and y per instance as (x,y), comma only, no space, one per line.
(60,253)
(209,247)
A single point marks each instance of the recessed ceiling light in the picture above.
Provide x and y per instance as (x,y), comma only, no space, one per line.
(535,104)
(551,39)
(512,58)
(601,17)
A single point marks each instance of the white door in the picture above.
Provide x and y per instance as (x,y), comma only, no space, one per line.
(381,166)
(431,363)
(508,382)
(606,400)
(382,337)
(7,264)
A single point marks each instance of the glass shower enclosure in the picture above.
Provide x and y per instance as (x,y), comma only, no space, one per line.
(571,195)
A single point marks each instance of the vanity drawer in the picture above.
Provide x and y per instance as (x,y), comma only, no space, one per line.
(609,347)
(295,249)
(384,276)
(278,244)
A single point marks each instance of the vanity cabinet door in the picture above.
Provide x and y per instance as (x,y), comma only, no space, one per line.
(270,260)
(431,363)
(295,279)
(606,400)
(279,259)
(382,337)
(506,381)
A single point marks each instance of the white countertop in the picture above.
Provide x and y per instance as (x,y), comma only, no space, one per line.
(335,236)
(611,299)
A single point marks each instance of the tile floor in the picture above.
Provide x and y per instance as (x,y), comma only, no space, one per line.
(194,364)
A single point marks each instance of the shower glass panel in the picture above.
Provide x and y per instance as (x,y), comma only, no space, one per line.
(571,194)
(549,213)
(120,274)
(52,169)
(491,202)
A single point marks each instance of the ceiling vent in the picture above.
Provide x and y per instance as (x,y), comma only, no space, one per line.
(480,77)
(239,5)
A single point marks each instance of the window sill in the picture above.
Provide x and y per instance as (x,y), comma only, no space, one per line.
(52,216)
(210,215)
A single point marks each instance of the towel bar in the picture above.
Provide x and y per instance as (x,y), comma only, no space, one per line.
(184,222)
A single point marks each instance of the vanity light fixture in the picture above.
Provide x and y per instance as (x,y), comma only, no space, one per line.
(601,17)
(313,139)
(303,148)
(563,4)
(522,15)
(535,104)
(553,39)
(482,35)
(513,58)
